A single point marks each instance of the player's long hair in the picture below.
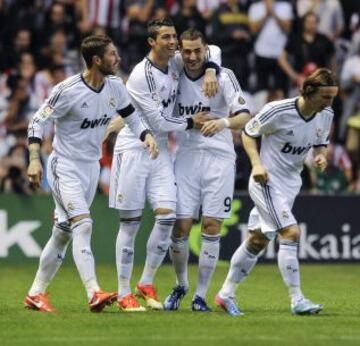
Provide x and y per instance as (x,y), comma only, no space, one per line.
(319,78)
(94,45)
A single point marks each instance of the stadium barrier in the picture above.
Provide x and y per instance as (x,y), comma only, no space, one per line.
(330,229)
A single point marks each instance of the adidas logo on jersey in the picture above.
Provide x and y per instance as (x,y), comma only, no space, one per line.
(84,105)
(290,133)
(190,110)
(292,149)
(103,121)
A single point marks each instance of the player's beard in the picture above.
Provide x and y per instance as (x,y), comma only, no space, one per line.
(107,70)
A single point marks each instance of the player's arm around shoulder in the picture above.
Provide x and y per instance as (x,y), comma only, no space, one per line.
(211,85)
(239,110)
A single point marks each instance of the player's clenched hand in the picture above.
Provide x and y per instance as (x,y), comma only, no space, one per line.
(320,162)
(200,118)
(260,174)
(34,172)
(210,85)
(212,127)
(151,145)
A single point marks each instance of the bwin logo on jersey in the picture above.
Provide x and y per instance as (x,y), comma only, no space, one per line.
(291,149)
(187,110)
(103,121)
(172,97)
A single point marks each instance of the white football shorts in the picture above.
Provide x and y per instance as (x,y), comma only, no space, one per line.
(272,211)
(73,185)
(204,180)
(135,177)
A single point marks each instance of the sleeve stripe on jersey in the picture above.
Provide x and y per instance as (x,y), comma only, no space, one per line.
(63,87)
(270,205)
(233,79)
(149,77)
(276,110)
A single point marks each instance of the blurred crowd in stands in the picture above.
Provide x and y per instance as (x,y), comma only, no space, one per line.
(271,45)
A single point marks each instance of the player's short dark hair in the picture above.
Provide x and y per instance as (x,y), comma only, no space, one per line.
(155,24)
(94,45)
(192,34)
(321,77)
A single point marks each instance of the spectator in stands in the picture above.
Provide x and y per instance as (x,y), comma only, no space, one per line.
(330,14)
(305,48)
(353,147)
(230,31)
(59,52)
(138,13)
(61,17)
(270,21)
(102,17)
(21,107)
(21,42)
(350,83)
(13,176)
(339,174)
(188,17)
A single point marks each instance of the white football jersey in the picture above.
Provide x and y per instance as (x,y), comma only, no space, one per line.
(154,93)
(286,138)
(81,115)
(191,100)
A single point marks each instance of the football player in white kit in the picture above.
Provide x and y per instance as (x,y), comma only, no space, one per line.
(153,86)
(81,107)
(288,129)
(204,169)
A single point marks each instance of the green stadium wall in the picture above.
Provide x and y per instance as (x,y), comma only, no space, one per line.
(330,229)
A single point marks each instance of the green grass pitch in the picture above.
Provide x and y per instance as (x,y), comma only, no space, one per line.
(262,297)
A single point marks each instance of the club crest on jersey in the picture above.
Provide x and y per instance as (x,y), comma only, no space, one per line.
(241,100)
(46,111)
(70,206)
(175,76)
(112,102)
(120,198)
(318,132)
(155,97)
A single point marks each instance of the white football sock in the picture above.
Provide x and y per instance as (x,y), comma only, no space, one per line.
(51,258)
(208,258)
(241,264)
(83,256)
(125,254)
(179,254)
(157,246)
(289,267)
